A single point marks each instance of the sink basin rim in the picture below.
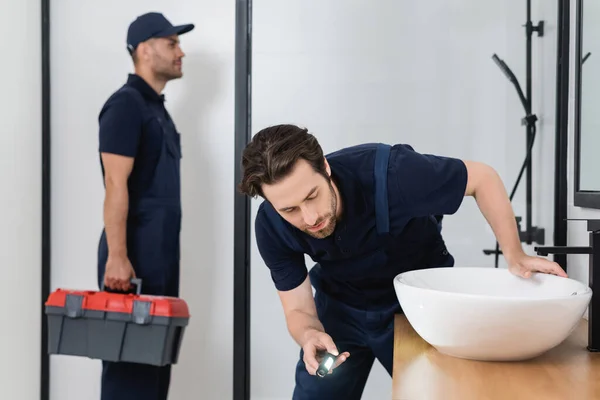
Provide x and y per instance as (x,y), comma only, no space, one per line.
(584,291)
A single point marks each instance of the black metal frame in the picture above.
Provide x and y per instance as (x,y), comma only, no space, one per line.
(46,210)
(242,234)
(581,198)
(562,129)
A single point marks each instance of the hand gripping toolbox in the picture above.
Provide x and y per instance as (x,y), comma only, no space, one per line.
(116,326)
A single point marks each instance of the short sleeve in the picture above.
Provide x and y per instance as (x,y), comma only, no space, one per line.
(425,184)
(287,266)
(120,126)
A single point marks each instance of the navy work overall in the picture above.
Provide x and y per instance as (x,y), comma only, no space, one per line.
(366,334)
(153,227)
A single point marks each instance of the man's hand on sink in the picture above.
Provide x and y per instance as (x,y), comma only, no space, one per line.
(524,266)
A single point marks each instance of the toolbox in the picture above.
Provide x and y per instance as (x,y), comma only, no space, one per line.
(117,327)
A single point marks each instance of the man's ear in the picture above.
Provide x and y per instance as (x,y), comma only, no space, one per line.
(327,167)
(142,51)
(146,48)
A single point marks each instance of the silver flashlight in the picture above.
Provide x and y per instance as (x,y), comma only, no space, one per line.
(326,364)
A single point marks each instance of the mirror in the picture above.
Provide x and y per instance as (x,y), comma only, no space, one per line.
(587,100)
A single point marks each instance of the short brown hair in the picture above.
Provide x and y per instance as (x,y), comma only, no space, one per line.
(272,154)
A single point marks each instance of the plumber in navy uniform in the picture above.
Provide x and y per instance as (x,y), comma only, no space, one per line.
(363,214)
(140,153)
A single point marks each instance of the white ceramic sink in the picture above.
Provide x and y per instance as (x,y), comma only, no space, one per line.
(490,314)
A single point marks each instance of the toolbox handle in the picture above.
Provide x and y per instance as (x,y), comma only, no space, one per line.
(134,281)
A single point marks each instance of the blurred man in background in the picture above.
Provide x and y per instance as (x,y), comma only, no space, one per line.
(140,153)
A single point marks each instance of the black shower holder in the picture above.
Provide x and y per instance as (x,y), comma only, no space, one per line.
(534,235)
(539,28)
(529,120)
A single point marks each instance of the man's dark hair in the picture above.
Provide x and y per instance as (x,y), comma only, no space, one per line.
(273,153)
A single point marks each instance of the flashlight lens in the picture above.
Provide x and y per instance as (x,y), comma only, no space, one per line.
(325,366)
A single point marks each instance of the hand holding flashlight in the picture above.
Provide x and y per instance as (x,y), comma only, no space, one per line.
(321,354)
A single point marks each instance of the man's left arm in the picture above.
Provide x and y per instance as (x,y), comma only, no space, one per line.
(486,187)
(426,184)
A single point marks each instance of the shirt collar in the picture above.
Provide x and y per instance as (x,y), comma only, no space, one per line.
(144,88)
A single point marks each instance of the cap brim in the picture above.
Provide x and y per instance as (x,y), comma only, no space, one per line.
(176,30)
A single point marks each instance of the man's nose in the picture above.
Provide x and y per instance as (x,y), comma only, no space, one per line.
(309,215)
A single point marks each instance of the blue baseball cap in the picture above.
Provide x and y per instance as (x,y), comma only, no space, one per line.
(152,25)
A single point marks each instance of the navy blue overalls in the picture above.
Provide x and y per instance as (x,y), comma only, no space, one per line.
(153,228)
(365,334)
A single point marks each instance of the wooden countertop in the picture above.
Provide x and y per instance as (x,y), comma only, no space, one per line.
(567,372)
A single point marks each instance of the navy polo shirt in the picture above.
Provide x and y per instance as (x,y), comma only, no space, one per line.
(358,265)
(132,129)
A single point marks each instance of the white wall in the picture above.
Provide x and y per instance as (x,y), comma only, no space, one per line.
(89,62)
(577,264)
(413,72)
(20,202)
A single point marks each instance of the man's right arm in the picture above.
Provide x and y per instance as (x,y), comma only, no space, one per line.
(306,329)
(300,312)
(117,169)
(119,135)
(290,277)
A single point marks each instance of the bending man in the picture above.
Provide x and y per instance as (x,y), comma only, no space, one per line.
(365,214)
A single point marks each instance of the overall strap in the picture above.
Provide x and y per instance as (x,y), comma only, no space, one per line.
(382,156)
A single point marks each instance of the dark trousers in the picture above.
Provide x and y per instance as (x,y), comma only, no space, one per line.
(130,381)
(367,335)
(134,381)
